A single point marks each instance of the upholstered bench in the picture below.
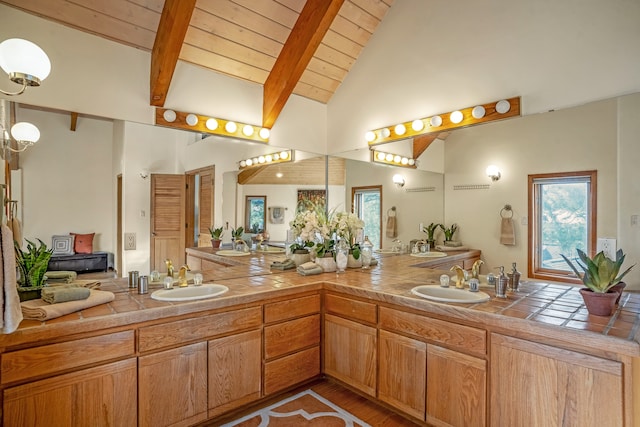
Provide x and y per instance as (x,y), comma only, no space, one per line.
(82,263)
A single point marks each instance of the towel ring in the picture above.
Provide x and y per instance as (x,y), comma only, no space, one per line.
(508,209)
(393,209)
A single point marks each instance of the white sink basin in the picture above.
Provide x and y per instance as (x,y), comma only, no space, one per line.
(231,252)
(271,250)
(440,294)
(190,293)
(430,254)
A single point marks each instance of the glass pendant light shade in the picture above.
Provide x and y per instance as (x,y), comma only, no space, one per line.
(24,61)
(25,133)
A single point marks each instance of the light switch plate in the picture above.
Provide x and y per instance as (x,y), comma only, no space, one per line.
(607,245)
(129,241)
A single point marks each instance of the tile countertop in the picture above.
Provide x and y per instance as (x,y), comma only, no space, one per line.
(551,311)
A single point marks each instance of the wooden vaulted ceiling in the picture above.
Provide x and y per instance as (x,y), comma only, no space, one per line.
(304,47)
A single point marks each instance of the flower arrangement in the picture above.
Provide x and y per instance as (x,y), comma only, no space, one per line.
(346,226)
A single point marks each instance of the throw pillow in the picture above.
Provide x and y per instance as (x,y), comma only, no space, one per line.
(62,245)
(83,243)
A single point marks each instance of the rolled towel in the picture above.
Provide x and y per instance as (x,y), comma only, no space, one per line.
(308,266)
(60,276)
(283,265)
(310,271)
(89,284)
(37,309)
(60,294)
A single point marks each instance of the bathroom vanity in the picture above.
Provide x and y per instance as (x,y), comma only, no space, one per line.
(534,358)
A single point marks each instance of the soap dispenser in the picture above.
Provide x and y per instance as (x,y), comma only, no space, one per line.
(501,284)
(514,278)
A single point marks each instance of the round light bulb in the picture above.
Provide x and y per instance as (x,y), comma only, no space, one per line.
(492,170)
(247,130)
(25,132)
(370,136)
(417,125)
(243,163)
(385,133)
(284,155)
(268,158)
(503,106)
(276,156)
(211,124)
(26,58)
(435,121)
(231,127)
(397,158)
(279,175)
(192,119)
(478,112)
(380,155)
(264,133)
(404,161)
(456,117)
(261,159)
(389,157)
(255,160)
(400,129)
(412,162)
(249,162)
(169,115)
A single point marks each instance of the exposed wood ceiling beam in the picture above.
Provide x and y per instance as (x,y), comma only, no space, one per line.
(305,37)
(422,142)
(172,28)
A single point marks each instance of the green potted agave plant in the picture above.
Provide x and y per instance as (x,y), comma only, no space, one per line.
(600,276)
(448,233)
(32,265)
(216,236)
(431,230)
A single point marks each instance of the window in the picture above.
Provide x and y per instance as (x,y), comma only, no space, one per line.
(255,213)
(562,213)
(366,204)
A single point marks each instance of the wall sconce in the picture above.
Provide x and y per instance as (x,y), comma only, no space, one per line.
(493,172)
(392,159)
(24,134)
(211,125)
(25,63)
(398,180)
(267,159)
(446,121)
(144,174)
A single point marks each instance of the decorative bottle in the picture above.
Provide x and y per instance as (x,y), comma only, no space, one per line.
(342,256)
(366,252)
(514,278)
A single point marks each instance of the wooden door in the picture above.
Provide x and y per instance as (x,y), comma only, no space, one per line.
(172,386)
(167,220)
(538,385)
(456,388)
(100,396)
(350,353)
(235,369)
(206,205)
(403,373)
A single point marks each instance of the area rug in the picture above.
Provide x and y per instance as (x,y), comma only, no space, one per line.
(306,408)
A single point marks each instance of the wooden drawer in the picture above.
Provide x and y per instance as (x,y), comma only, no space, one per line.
(352,309)
(290,370)
(290,309)
(197,329)
(53,358)
(291,336)
(460,337)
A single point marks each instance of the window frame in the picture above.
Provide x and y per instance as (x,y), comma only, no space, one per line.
(247,212)
(535,271)
(368,188)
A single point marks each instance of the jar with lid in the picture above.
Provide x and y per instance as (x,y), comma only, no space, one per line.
(366,252)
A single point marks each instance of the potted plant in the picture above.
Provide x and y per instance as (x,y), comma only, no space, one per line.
(431,230)
(216,236)
(448,232)
(599,275)
(32,264)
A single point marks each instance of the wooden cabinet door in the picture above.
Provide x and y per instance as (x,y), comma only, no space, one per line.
(456,388)
(538,385)
(402,373)
(101,396)
(235,368)
(172,386)
(350,353)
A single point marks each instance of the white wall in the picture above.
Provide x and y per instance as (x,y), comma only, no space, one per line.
(581,138)
(67,179)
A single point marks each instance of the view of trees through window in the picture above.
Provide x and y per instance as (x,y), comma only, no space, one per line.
(256,214)
(367,207)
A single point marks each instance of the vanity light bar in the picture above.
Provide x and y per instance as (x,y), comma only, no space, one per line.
(465,117)
(211,125)
(392,159)
(266,159)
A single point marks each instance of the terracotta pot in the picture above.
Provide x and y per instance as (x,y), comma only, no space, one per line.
(618,288)
(599,304)
(215,243)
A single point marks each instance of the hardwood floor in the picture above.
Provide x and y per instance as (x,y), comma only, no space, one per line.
(369,412)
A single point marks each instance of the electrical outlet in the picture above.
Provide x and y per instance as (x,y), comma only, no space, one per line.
(608,246)
(129,241)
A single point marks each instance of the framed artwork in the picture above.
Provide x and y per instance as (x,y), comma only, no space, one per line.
(276,214)
(307,199)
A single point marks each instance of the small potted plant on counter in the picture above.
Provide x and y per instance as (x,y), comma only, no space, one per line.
(599,275)
(32,265)
(448,234)
(431,230)
(216,236)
